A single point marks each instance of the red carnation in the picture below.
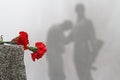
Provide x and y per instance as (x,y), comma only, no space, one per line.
(22,39)
(41,49)
(33,55)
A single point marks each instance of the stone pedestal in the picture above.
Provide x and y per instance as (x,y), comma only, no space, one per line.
(12,63)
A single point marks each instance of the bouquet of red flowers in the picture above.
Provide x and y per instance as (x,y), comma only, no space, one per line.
(37,51)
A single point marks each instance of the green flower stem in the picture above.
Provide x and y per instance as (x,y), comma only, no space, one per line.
(33,49)
(8,42)
(1,42)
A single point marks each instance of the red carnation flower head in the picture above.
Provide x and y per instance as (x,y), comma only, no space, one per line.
(34,56)
(41,47)
(39,52)
(22,39)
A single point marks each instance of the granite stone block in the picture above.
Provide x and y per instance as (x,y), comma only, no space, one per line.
(12,63)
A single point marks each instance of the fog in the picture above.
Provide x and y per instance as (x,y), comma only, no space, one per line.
(37,17)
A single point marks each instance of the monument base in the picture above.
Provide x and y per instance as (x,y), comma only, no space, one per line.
(12,62)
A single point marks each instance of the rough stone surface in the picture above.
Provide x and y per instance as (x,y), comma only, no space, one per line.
(12,63)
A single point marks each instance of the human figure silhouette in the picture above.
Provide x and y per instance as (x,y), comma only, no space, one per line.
(86,46)
(55,46)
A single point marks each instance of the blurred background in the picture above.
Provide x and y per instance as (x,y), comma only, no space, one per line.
(42,18)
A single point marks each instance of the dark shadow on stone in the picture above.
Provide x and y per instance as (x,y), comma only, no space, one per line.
(55,45)
(86,45)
